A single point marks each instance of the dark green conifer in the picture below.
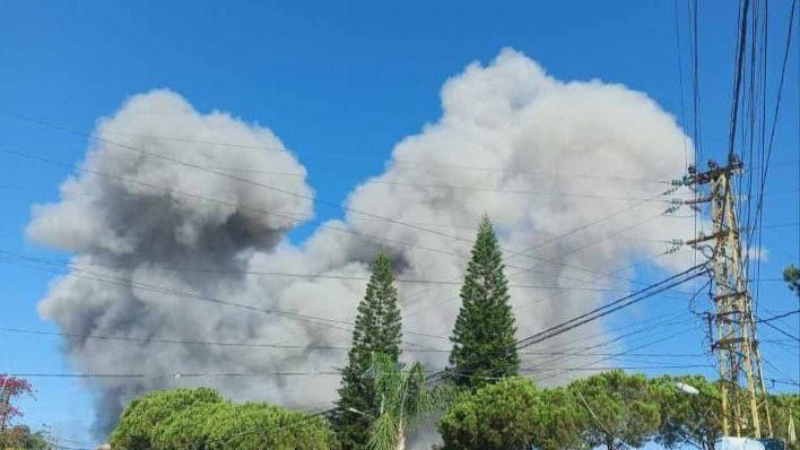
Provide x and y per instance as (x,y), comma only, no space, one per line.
(484,334)
(377,331)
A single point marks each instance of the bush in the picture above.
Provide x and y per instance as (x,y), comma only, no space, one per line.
(248,426)
(21,437)
(200,418)
(624,409)
(785,408)
(512,414)
(686,417)
(141,416)
(259,426)
(188,428)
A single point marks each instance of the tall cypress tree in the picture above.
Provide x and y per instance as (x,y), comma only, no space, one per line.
(484,334)
(377,330)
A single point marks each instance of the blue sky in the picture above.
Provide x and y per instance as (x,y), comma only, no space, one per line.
(337,78)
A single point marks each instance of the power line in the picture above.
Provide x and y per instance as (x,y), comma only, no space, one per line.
(609,275)
(678,51)
(313,276)
(512,191)
(251,345)
(177,375)
(665,322)
(355,156)
(694,39)
(641,332)
(781,331)
(767,158)
(591,365)
(327,322)
(443,186)
(670,334)
(539,258)
(449,187)
(601,311)
(280,190)
(568,233)
(603,369)
(288,216)
(295,315)
(780,316)
(244,180)
(604,310)
(620,269)
(645,326)
(614,306)
(737,82)
(295,219)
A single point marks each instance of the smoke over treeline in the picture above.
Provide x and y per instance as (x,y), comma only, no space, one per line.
(176,210)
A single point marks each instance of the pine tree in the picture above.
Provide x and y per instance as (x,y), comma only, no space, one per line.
(484,334)
(377,331)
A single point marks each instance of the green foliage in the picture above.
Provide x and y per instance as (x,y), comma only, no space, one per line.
(20,437)
(140,417)
(199,418)
(792,277)
(686,417)
(186,428)
(513,414)
(404,401)
(783,409)
(377,330)
(249,426)
(484,333)
(623,410)
(561,421)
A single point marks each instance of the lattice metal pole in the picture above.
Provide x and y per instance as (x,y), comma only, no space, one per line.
(742,387)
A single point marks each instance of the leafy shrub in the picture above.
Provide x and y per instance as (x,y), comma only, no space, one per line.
(184,419)
(141,416)
(21,437)
(624,409)
(512,414)
(248,426)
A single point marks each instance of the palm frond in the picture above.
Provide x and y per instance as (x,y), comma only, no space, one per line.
(384,433)
(405,400)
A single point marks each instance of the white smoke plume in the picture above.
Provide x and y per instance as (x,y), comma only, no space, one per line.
(162,225)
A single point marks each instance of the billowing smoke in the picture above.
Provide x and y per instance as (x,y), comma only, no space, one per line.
(176,211)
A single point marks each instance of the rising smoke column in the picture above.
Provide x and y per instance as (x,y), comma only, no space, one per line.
(540,156)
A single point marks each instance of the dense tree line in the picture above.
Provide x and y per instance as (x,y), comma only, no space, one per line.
(201,419)
(512,414)
(612,410)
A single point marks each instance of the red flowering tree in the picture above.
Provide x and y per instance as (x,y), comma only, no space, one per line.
(11,388)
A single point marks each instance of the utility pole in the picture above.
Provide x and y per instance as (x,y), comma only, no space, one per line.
(741,376)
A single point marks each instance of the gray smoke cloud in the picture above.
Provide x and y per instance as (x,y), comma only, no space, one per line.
(168,234)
